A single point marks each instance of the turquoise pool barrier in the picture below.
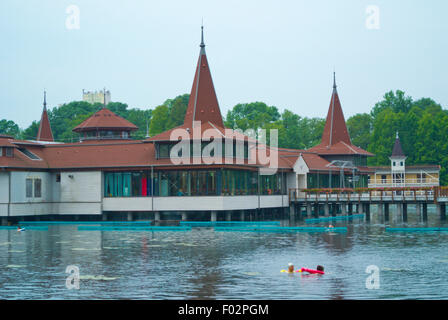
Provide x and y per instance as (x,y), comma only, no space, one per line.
(416,229)
(133,228)
(33,223)
(26,228)
(339,218)
(279,229)
(228,223)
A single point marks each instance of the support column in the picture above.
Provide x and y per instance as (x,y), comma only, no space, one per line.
(360,207)
(380,211)
(367,210)
(327,209)
(308,210)
(418,209)
(129,216)
(156,216)
(104,216)
(4,221)
(350,208)
(229,215)
(344,208)
(316,210)
(405,212)
(399,210)
(386,211)
(441,211)
(425,211)
(292,212)
(242,215)
(213,216)
(184,216)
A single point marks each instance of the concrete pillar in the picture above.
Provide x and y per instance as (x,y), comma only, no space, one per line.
(316,210)
(184,216)
(418,209)
(308,210)
(229,215)
(380,211)
(327,209)
(242,215)
(386,211)
(292,211)
(213,216)
(344,209)
(441,211)
(367,210)
(4,221)
(350,208)
(405,212)
(425,211)
(104,216)
(360,207)
(156,216)
(129,216)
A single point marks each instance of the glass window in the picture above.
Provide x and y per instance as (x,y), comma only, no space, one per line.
(37,188)
(164,150)
(1,151)
(9,152)
(29,188)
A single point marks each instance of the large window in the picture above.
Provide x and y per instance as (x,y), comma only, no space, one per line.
(29,188)
(33,187)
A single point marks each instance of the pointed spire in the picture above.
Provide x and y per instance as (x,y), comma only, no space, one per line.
(335,128)
(45,100)
(202,45)
(203,104)
(397,151)
(44,133)
(334,80)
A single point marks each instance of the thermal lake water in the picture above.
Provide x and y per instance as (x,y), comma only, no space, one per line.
(204,264)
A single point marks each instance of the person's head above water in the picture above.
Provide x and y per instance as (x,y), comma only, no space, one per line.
(290,267)
(320,268)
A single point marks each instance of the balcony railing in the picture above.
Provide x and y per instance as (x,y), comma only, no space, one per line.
(407,182)
(420,193)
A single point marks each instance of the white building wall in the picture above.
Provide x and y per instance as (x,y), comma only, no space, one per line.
(4,193)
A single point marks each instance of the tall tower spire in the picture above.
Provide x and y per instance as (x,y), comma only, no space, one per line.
(335,128)
(44,133)
(203,104)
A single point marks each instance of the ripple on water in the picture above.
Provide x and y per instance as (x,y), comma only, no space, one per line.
(99,277)
(86,249)
(15,266)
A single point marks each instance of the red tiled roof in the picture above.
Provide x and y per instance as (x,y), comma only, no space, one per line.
(340,148)
(105,120)
(44,133)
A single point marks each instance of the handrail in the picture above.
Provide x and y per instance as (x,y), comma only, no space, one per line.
(371,193)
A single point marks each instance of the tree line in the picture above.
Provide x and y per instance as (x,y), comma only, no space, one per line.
(422,125)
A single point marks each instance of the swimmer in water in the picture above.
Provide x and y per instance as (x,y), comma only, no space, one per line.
(330,226)
(290,267)
(20,229)
(320,268)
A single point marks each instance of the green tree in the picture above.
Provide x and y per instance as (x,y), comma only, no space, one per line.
(159,121)
(9,127)
(360,129)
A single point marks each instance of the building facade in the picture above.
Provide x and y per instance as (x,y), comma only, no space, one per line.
(398,174)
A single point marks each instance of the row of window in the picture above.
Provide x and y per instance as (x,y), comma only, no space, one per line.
(192,183)
(325,180)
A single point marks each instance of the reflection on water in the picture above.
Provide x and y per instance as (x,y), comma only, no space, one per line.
(203,264)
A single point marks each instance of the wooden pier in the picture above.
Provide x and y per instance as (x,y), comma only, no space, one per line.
(336,201)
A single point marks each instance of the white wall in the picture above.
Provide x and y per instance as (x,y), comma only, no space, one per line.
(4,187)
(81,186)
(18,187)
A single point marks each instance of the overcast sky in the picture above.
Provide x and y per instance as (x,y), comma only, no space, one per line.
(279,52)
